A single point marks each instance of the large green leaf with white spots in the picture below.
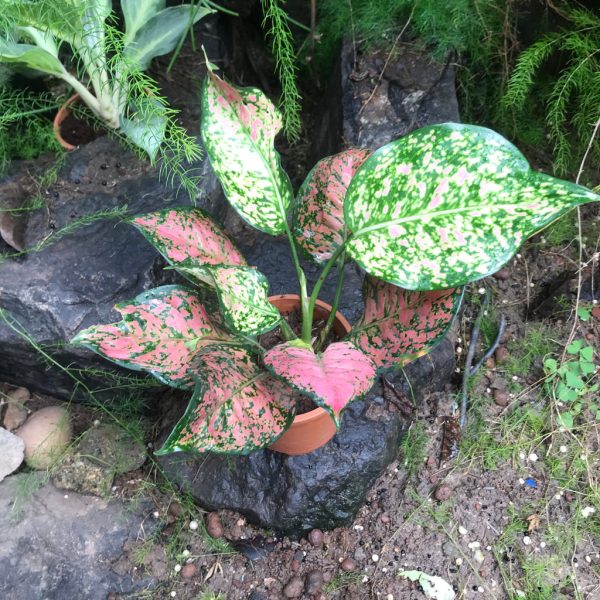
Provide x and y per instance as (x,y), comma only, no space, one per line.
(238,129)
(448,204)
(244,298)
(237,407)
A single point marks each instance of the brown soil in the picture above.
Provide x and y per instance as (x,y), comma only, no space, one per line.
(76,131)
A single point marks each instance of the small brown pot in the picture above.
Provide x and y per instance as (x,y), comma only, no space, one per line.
(313,429)
(63,112)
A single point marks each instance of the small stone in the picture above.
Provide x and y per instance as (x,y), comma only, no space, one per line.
(526,540)
(188,571)
(214,525)
(295,565)
(490,363)
(177,568)
(12,451)
(478,556)
(459,561)
(348,565)
(15,416)
(174,508)
(501,354)
(193,525)
(462,530)
(46,434)
(501,397)
(502,275)
(443,492)
(375,557)
(315,537)
(474,545)
(294,588)
(314,582)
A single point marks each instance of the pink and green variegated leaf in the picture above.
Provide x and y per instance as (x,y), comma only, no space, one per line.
(161,332)
(236,407)
(189,239)
(244,298)
(319,216)
(401,325)
(332,379)
(238,129)
(448,204)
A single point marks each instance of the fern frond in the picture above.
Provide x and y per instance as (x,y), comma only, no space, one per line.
(276,19)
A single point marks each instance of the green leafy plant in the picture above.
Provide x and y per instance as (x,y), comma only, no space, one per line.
(109,64)
(423,215)
(572,97)
(570,382)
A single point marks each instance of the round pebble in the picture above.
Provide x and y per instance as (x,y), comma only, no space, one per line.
(443,492)
(193,525)
(348,565)
(294,588)
(188,571)
(315,537)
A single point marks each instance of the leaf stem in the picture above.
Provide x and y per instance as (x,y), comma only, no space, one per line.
(307,324)
(339,284)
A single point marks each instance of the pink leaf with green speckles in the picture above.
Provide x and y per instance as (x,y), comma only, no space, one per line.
(319,217)
(161,332)
(400,325)
(238,129)
(236,407)
(189,239)
(448,204)
(244,298)
(332,379)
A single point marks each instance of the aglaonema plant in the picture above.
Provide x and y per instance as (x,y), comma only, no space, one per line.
(423,216)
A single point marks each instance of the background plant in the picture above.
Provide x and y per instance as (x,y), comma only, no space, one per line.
(109,64)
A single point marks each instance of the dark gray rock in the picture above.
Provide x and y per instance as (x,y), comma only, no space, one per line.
(75,282)
(414,91)
(323,489)
(60,548)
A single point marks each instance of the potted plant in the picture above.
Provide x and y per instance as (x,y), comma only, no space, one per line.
(110,77)
(423,216)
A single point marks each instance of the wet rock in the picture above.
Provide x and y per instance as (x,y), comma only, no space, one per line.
(348,565)
(12,451)
(502,274)
(214,525)
(294,588)
(315,537)
(414,91)
(75,282)
(313,583)
(57,548)
(102,453)
(46,434)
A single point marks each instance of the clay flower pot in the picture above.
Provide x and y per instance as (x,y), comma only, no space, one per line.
(315,428)
(63,112)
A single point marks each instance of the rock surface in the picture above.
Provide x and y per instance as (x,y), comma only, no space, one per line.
(62,547)
(12,451)
(323,489)
(75,282)
(103,452)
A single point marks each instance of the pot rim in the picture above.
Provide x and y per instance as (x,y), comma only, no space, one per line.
(63,112)
(314,414)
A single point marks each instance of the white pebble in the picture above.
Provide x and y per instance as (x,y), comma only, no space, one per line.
(96,422)
(177,568)
(519,256)
(583,456)
(458,350)
(384,570)
(474,545)
(365,579)
(480,590)
(156,514)
(488,390)
(193,525)
(173,594)
(563,449)
(389,597)
(515,378)
(521,481)
(375,557)
(533,457)
(186,552)
(587,511)
(66,496)
(557,497)
(358,527)
(462,530)
(481,290)
(588,559)
(542,544)
(532,284)
(459,561)
(522,455)
(526,540)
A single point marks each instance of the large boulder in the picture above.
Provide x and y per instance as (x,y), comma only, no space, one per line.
(75,281)
(56,546)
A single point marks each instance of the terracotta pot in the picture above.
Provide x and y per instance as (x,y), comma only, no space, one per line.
(313,429)
(63,112)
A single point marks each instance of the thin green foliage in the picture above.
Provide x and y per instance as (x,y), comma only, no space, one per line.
(570,91)
(282,44)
